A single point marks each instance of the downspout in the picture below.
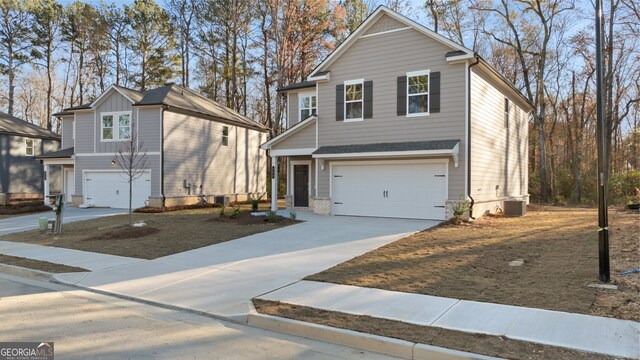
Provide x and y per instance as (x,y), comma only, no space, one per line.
(162,108)
(469,136)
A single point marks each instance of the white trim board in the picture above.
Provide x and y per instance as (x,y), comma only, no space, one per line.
(292,152)
(398,154)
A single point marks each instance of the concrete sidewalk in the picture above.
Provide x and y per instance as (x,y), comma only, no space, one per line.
(582,332)
(22,223)
(87,260)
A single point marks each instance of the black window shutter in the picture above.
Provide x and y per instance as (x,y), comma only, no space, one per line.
(339,102)
(368,99)
(434,92)
(402,96)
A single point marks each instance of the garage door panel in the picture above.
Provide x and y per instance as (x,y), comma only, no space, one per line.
(111,189)
(398,189)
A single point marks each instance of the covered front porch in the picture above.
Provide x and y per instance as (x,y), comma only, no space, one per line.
(65,159)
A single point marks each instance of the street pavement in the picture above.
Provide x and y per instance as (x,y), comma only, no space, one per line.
(86,325)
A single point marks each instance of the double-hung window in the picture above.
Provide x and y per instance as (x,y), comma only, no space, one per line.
(225,136)
(308,105)
(115,126)
(28,147)
(418,93)
(353,100)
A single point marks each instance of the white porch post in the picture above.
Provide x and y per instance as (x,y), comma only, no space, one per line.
(274,183)
(46,184)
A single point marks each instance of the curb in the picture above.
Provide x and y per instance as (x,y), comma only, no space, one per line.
(26,272)
(374,343)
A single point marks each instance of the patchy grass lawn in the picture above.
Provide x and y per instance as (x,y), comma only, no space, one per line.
(498,346)
(22,208)
(165,234)
(559,248)
(39,265)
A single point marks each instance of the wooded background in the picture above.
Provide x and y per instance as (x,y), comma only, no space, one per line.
(238,52)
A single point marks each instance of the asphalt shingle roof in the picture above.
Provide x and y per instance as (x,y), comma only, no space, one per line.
(15,126)
(384,147)
(64,153)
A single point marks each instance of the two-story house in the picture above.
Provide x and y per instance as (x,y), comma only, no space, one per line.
(21,175)
(399,121)
(195,149)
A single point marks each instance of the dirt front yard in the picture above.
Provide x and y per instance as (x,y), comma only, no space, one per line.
(543,260)
(164,234)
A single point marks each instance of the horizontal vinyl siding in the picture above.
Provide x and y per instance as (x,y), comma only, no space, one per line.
(67,132)
(88,163)
(149,128)
(303,139)
(193,152)
(385,23)
(382,58)
(20,173)
(498,156)
(114,102)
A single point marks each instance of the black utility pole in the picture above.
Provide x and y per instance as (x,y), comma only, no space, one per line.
(603,221)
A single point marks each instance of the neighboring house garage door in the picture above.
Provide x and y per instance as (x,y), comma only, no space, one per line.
(110,188)
(402,189)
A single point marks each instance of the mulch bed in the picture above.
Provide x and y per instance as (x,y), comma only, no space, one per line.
(39,265)
(126,232)
(24,208)
(154,210)
(498,346)
(245,218)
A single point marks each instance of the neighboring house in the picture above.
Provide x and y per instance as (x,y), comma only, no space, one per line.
(399,121)
(195,147)
(21,174)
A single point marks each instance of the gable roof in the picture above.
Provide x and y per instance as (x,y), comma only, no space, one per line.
(12,125)
(290,131)
(175,96)
(368,22)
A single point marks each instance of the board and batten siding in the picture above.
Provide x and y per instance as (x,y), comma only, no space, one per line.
(382,59)
(103,163)
(67,132)
(193,152)
(498,153)
(114,102)
(303,139)
(293,105)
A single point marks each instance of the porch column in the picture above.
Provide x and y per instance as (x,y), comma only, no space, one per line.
(274,183)
(46,184)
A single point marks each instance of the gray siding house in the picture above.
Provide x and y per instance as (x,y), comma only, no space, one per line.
(399,121)
(196,149)
(21,174)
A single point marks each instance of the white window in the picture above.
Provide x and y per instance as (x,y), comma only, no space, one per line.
(308,105)
(28,147)
(225,136)
(506,112)
(353,100)
(115,126)
(418,93)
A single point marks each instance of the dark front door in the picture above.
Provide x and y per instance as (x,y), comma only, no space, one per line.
(301,185)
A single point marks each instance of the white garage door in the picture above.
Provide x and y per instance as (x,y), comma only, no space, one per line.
(112,189)
(402,189)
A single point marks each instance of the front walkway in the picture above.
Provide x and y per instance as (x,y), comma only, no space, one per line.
(583,332)
(222,279)
(22,223)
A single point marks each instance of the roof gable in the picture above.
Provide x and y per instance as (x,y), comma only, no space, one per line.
(131,95)
(388,19)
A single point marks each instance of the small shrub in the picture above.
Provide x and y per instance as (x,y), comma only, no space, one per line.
(221,212)
(272,216)
(235,212)
(293,215)
(459,209)
(254,201)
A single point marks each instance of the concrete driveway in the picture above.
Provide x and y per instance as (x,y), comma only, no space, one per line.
(222,279)
(29,222)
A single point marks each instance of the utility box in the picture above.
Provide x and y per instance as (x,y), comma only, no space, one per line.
(222,200)
(515,207)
